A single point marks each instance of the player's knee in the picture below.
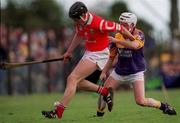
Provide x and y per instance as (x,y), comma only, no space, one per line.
(140,102)
(71,80)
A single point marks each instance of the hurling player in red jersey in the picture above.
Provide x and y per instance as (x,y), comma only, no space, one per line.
(94,30)
(130,66)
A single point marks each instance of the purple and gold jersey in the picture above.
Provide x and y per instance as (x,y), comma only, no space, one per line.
(130,61)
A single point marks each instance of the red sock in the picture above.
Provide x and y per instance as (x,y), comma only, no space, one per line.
(59,110)
(102,90)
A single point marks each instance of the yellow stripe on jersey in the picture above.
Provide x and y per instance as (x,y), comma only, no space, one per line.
(120,37)
(137,39)
(140,42)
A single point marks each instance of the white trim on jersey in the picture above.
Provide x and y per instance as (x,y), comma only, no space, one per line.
(109,27)
(90,19)
(101,25)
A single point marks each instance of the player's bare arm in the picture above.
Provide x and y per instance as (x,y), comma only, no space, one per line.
(106,69)
(127,43)
(108,26)
(126,33)
(74,43)
(112,56)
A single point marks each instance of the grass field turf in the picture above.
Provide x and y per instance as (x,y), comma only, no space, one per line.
(27,109)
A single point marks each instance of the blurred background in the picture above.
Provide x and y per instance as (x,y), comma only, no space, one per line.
(40,29)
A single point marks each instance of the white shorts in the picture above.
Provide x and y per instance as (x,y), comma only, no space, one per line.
(99,57)
(131,78)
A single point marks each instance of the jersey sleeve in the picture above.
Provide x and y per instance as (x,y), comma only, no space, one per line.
(105,25)
(140,38)
(108,26)
(120,37)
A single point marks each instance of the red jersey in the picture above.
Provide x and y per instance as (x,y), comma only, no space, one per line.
(96,31)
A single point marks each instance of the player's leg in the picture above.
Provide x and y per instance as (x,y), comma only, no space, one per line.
(82,70)
(139,94)
(90,86)
(87,86)
(109,83)
(77,75)
(106,92)
(94,77)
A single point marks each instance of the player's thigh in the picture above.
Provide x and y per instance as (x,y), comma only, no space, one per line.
(111,82)
(83,69)
(139,90)
(94,77)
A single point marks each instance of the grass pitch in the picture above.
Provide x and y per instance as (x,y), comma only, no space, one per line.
(27,109)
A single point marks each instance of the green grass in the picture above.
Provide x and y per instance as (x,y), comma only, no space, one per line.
(27,109)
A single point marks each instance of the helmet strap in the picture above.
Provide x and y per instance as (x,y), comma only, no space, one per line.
(85,18)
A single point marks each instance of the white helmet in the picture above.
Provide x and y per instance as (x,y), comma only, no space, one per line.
(129,18)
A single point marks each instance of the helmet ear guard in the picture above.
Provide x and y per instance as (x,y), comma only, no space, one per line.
(77,10)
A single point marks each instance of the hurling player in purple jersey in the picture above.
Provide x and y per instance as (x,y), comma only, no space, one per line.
(130,66)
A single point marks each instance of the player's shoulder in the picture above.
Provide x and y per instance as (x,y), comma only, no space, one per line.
(94,19)
(140,34)
(95,16)
(138,31)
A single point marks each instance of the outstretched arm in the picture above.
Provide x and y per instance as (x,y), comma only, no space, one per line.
(109,26)
(126,33)
(135,44)
(74,43)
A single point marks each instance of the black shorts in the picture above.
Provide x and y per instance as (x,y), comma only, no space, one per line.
(94,77)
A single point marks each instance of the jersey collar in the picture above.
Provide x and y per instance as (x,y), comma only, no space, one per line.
(90,19)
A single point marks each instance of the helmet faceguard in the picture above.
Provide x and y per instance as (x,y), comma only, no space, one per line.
(77,10)
(129,20)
